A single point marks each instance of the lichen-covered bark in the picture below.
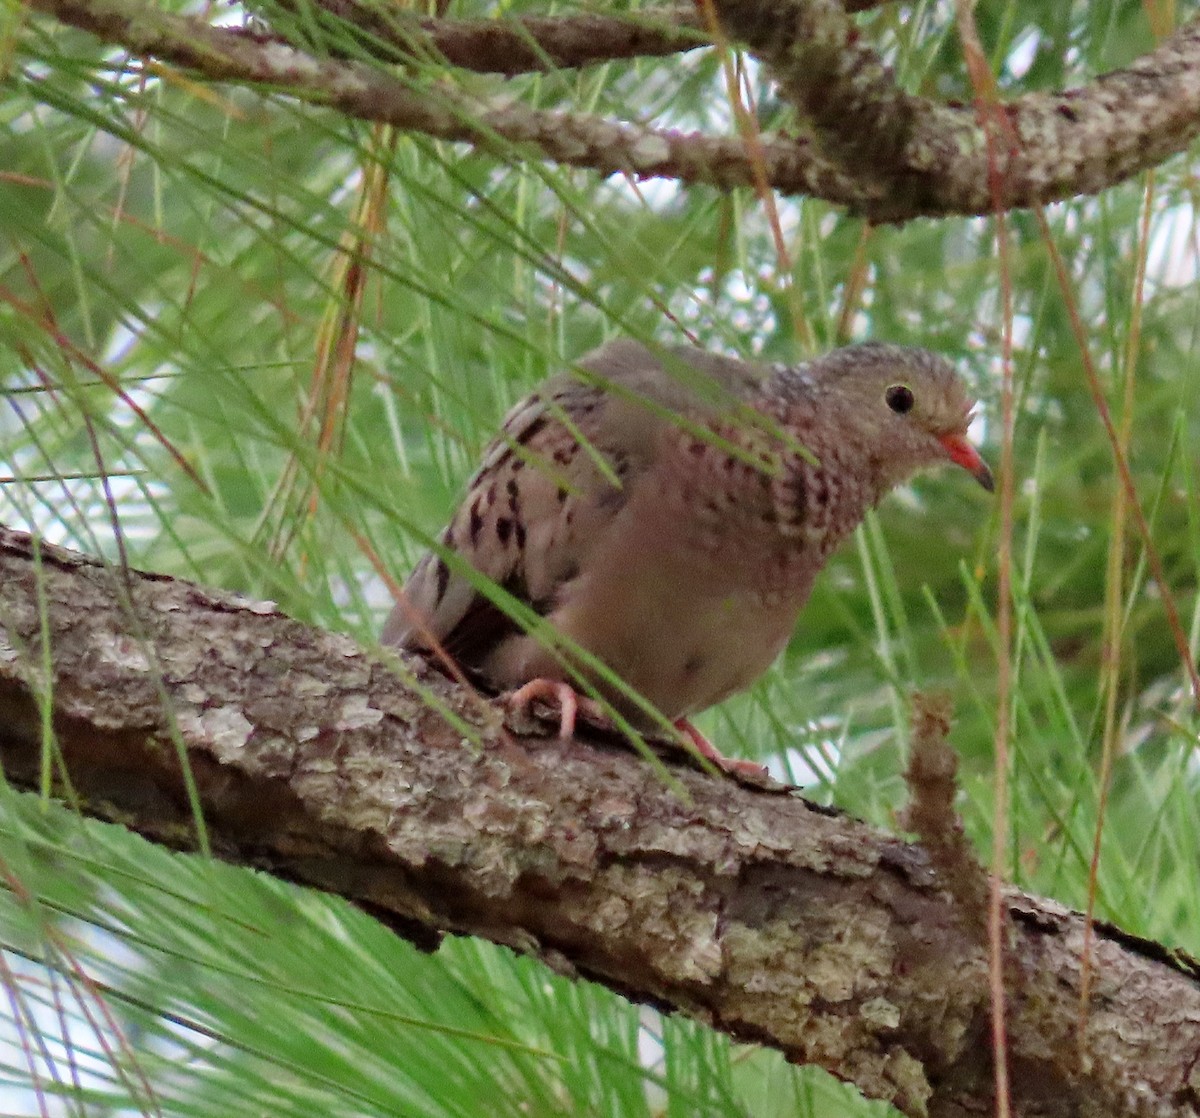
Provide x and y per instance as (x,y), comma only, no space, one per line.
(875,148)
(745,906)
(924,157)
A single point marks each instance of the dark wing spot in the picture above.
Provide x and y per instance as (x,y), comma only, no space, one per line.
(499,462)
(504,528)
(693,664)
(520,525)
(524,438)
(443,580)
(476,525)
(528,413)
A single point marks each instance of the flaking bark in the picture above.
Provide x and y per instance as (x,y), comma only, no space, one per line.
(875,148)
(749,908)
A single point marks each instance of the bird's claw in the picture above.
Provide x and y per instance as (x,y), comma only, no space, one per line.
(570,703)
(563,695)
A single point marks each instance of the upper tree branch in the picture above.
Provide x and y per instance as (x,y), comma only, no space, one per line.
(933,158)
(771,919)
(524,44)
(369,93)
(880,151)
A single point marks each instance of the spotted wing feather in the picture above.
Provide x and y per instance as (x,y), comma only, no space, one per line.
(542,497)
(528,516)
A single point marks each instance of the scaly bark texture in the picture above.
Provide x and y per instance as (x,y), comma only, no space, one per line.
(924,157)
(747,907)
(875,148)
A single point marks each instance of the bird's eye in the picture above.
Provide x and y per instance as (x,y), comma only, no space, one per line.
(899,398)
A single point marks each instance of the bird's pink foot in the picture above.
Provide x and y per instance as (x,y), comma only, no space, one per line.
(569,702)
(709,751)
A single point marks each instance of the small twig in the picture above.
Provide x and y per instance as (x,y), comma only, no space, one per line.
(931,815)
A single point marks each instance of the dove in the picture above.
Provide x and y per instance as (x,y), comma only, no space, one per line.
(665,512)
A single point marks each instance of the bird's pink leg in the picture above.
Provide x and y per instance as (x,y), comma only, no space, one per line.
(706,749)
(569,701)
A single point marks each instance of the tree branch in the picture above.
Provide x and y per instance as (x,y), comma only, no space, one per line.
(365,92)
(524,44)
(881,152)
(769,918)
(930,158)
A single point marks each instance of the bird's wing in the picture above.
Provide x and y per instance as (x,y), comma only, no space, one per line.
(439,602)
(556,475)
(562,467)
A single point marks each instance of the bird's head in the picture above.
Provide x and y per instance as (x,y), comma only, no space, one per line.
(904,408)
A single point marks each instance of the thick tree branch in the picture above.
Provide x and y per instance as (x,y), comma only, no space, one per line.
(369,93)
(525,44)
(932,157)
(880,151)
(771,919)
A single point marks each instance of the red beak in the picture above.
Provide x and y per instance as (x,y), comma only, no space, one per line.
(963,454)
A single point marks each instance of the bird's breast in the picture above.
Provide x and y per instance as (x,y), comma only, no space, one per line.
(678,641)
(688,602)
